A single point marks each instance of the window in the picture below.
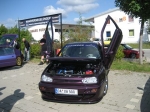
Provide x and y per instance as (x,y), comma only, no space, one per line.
(78,50)
(131,32)
(131,19)
(2,52)
(6,51)
(57,30)
(9,50)
(108,34)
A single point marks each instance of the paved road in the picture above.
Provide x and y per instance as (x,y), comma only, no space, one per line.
(147,52)
(128,92)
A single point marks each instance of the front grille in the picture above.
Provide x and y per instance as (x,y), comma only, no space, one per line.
(69,97)
(88,96)
(62,81)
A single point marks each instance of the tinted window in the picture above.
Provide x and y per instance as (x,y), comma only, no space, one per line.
(9,50)
(6,51)
(127,46)
(7,39)
(89,51)
(2,52)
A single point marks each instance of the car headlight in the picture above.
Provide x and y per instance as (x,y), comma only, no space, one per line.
(90,80)
(46,78)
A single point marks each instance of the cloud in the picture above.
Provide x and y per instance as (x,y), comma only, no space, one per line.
(74,2)
(49,10)
(69,6)
(79,6)
(9,22)
(85,8)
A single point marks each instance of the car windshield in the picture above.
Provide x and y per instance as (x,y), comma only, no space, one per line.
(7,39)
(80,50)
(127,46)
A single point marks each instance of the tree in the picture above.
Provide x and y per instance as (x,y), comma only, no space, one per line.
(136,8)
(25,34)
(79,32)
(14,30)
(3,30)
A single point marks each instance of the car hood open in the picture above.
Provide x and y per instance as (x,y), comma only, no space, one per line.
(73,59)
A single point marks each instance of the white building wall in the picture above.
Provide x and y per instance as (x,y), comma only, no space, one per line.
(38,31)
(125,26)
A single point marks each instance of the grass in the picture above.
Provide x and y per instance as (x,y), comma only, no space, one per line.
(145,45)
(35,60)
(130,66)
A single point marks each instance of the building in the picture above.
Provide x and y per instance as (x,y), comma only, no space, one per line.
(38,30)
(130,26)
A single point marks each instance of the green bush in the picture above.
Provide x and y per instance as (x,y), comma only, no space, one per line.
(35,50)
(57,45)
(119,55)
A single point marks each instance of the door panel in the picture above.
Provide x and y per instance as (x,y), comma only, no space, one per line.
(7,57)
(110,51)
(49,38)
(113,47)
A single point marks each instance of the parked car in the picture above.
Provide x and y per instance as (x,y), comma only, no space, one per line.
(10,55)
(79,73)
(8,39)
(106,42)
(130,52)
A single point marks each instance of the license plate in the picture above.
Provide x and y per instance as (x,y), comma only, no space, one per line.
(66,91)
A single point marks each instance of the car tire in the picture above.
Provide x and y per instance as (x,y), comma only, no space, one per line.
(133,56)
(105,86)
(19,61)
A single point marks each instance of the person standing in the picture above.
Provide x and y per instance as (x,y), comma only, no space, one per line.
(26,50)
(43,49)
(15,44)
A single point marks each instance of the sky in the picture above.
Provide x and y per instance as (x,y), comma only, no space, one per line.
(13,10)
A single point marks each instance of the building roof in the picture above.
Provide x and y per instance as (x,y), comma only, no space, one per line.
(72,25)
(91,19)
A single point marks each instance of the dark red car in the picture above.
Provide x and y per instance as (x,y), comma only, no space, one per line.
(79,73)
(130,52)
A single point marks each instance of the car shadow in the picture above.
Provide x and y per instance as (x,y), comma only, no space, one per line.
(2,89)
(145,101)
(12,67)
(8,102)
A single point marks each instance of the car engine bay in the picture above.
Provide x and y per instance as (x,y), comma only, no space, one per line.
(73,69)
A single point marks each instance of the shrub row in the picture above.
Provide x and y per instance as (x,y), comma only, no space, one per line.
(35,51)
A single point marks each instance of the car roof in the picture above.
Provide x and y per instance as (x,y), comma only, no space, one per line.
(7,35)
(74,43)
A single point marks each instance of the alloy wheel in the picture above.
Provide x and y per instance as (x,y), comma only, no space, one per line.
(106,86)
(19,61)
(133,56)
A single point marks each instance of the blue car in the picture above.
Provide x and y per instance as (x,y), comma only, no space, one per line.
(10,53)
